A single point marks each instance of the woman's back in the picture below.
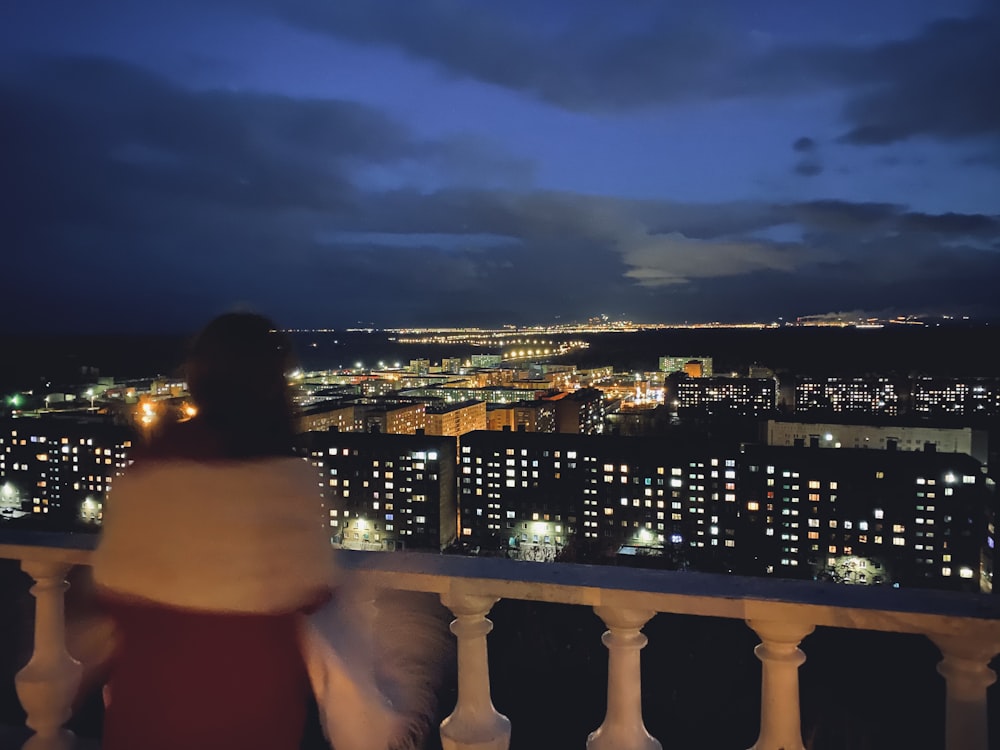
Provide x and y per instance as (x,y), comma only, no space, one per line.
(201,680)
(213,542)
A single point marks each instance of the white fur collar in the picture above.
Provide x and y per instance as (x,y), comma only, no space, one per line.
(225,536)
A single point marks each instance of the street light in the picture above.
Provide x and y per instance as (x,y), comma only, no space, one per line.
(90,395)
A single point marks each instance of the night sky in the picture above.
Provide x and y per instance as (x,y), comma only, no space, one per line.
(443,162)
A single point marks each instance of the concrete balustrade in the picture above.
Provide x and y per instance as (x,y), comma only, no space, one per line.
(780,659)
(48,683)
(474,724)
(623,728)
(965,628)
(965,668)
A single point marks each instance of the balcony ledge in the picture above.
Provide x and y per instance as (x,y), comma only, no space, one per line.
(964,627)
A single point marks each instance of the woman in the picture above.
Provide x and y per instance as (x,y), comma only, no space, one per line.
(213,544)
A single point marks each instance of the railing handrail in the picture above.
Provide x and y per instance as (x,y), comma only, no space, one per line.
(679,592)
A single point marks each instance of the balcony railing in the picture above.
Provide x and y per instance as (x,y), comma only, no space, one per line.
(965,629)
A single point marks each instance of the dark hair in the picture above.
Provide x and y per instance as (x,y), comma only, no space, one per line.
(236,373)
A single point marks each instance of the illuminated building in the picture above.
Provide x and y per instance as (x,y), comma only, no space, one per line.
(499,417)
(745,396)
(486,360)
(327,415)
(701,365)
(579,411)
(486,378)
(595,375)
(535,416)
(529,493)
(420,366)
(869,395)
(915,518)
(386,492)
(389,415)
(971,397)
(879,437)
(60,469)
(638,420)
(456,419)
(499,394)
(694,369)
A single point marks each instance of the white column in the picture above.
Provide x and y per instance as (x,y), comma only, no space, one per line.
(48,683)
(474,724)
(965,668)
(623,728)
(780,659)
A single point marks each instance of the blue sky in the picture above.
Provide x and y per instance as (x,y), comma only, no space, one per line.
(445,162)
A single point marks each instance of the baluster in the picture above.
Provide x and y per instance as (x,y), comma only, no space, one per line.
(780,659)
(965,668)
(48,683)
(623,728)
(474,724)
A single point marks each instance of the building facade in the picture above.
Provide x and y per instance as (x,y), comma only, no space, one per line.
(744,396)
(669,364)
(956,397)
(875,396)
(531,493)
(60,469)
(386,491)
(456,419)
(916,437)
(329,415)
(911,518)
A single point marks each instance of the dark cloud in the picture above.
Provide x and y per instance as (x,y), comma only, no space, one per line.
(804,145)
(596,60)
(808,168)
(951,223)
(880,219)
(941,82)
(845,216)
(809,163)
(132,203)
(126,193)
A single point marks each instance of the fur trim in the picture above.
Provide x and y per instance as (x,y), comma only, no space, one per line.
(374,659)
(221,536)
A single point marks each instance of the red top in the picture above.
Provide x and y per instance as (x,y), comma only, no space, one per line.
(189,680)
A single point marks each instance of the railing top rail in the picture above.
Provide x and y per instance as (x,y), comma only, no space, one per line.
(685,592)
(681,592)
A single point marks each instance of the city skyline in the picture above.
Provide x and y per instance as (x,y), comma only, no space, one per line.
(424,163)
